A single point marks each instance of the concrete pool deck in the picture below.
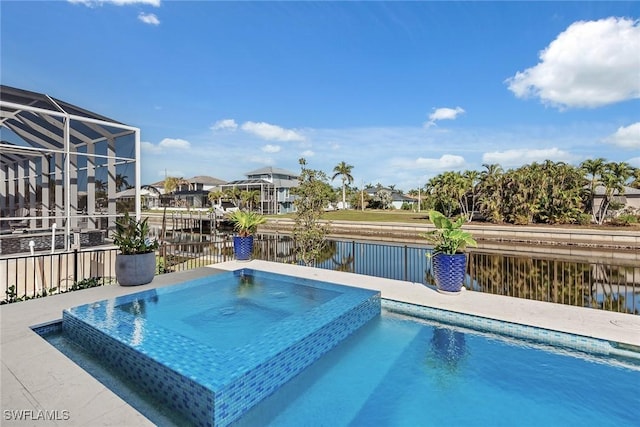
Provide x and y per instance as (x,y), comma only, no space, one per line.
(39,383)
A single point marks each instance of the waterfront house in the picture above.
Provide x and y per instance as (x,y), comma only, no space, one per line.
(274,186)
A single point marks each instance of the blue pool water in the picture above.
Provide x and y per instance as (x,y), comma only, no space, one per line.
(402,371)
(393,371)
(229,314)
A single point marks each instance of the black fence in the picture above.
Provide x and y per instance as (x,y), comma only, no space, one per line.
(603,285)
(32,276)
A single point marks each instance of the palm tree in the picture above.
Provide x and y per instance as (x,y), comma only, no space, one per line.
(614,178)
(343,170)
(100,185)
(523,192)
(636,179)
(447,191)
(593,169)
(249,198)
(171,184)
(121,182)
(491,192)
(560,201)
(471,181)
(215,196)
(101,191)
(233,194)
(623,171)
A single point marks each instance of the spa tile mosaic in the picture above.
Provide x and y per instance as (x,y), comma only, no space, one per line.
(45,329)
(207,385)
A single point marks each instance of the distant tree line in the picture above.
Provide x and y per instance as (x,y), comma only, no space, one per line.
(537,193)
(543,193)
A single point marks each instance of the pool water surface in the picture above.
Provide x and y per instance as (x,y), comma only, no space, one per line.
(403,371)
(230,314)
(395,370)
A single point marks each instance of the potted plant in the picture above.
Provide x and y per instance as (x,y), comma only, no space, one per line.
(449,260)
(136,262)
(245,223)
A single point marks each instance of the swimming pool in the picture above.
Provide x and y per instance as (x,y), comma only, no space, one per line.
(214,347)
(400,370)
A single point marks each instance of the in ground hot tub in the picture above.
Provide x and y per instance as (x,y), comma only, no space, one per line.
(214,347)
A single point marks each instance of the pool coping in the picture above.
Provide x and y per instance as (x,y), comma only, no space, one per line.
(36,377)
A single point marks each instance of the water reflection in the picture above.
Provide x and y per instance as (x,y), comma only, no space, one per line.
(595,284)
(138,309)
(448,349)
(611,285)
(246,285)
(582,283)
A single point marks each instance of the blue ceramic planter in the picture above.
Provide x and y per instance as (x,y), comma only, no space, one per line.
(449,271)
(243,247)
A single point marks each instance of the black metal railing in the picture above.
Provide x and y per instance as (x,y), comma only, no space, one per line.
(32,276)
(174,257)
(604,285)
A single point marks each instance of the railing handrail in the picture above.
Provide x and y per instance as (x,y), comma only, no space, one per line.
(606,285)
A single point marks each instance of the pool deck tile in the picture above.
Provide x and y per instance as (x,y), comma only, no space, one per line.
(34,376)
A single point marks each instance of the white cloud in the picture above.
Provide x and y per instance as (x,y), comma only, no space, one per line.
(443,114)
(590,64)
(271,148)
(626,137)
(271,132)
(521,156)
(171,143)
(225,124)
(149,147)
(445,162)
(93,3)
(405,156)
(148,18)
(165,145)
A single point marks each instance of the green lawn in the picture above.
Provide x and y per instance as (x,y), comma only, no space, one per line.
(423,218)
(371,216)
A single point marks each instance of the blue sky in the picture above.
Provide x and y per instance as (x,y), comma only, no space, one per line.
(400,90)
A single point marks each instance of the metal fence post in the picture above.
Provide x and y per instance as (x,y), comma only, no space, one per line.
(75,266)
(406,262)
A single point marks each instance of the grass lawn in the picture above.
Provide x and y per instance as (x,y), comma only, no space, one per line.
(371,216)
(423,218)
